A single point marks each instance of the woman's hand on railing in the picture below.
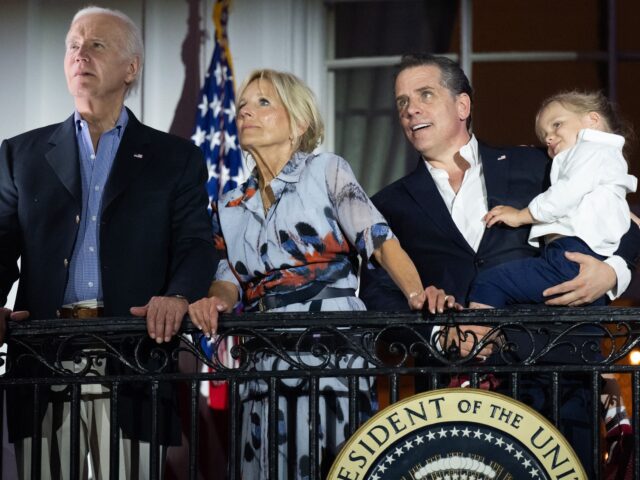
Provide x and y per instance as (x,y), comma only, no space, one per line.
(204,314)
(435,299)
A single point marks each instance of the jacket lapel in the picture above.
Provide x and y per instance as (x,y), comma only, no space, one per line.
(63,158)
(132,156)
(423,190)
(495,168)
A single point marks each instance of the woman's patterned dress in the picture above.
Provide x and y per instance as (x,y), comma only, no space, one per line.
(309,240)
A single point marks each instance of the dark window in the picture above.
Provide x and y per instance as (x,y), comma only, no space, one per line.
(367,132)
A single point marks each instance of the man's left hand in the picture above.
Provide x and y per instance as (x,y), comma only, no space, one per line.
(594,280)
(164,316)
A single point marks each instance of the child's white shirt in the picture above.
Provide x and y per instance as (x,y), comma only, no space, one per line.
(586,198)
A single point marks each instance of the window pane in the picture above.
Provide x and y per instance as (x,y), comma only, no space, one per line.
(371,28)
(368,134)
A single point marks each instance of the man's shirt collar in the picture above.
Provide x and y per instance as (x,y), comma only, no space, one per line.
(469,152)
(120,125)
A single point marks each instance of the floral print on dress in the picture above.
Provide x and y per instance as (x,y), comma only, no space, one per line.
(310,237)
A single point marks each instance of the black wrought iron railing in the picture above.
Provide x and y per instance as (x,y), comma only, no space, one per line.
(556,344)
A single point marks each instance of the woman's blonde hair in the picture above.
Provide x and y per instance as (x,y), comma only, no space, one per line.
(300,104)
(586,102)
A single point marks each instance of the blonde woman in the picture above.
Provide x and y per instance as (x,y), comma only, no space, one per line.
(292,234)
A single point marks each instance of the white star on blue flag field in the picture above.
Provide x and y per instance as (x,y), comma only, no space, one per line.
(216,131)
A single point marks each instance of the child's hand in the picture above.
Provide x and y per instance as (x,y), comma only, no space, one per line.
(508,215)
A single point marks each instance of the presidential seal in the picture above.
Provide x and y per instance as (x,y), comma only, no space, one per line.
(457,434)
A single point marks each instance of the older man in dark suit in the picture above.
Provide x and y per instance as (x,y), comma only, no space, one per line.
(109,219)
(436,212)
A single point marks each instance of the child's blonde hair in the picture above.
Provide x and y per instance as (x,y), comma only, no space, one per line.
(586,102)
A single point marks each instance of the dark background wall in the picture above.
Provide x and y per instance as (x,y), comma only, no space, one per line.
(508,94)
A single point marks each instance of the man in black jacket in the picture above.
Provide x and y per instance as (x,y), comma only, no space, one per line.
(436,212)
(109,219)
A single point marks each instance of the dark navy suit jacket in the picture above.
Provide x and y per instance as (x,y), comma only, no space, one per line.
(155,234)
(420,219)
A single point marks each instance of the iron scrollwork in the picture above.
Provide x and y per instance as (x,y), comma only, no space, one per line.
(313,342)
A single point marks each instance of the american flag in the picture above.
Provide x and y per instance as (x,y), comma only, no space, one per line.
(217,136)
(216,131)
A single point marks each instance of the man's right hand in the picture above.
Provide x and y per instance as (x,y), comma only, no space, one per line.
(7,314)
(595,278)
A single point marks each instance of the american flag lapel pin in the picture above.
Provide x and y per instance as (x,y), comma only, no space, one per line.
(137,155)
(502,157)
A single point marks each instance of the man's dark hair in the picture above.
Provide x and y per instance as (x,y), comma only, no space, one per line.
(452,76)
